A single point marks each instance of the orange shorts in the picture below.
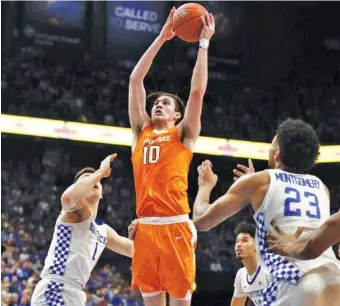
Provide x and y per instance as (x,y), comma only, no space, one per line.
(164,256)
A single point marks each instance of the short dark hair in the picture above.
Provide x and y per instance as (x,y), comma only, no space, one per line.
(245,228)
(83,171)
(299,144)
(179,107)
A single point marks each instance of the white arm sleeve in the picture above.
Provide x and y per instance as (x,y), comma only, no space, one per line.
(238,291)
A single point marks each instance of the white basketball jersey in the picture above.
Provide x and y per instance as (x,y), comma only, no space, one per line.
(293,200)
(251,285)
(74,250)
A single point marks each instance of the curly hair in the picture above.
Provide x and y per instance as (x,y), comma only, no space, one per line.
(299,144)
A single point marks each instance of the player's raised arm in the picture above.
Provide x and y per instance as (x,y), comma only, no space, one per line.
(191,122)
(240,194)
(137,96)
(206,181)
(83,188)
(119,244)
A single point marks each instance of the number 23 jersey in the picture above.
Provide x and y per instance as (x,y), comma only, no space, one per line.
(160,166)
(293,200)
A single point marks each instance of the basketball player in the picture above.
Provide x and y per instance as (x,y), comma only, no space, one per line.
(250,280)
(308,246)
(79,239)
(163,140)
(294,200)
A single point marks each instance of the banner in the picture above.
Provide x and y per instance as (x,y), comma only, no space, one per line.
(122,136)
(56,26)
(132,26)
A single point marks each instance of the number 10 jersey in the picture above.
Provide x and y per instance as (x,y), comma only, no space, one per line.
(161,165)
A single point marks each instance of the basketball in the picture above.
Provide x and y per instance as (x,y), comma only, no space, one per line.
(187,22)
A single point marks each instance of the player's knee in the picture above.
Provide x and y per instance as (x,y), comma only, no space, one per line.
(156,298)
(186,297)
(186,300)
(177,300)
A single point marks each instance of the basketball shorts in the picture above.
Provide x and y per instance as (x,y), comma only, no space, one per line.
(57,292)
(318,287)
(164,256)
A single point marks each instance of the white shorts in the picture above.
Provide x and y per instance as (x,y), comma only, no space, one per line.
(311,288)
(57,293)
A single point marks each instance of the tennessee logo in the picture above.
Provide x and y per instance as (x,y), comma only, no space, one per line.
(181,15)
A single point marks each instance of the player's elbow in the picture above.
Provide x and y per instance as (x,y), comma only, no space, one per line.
(135,78)
(66,199)
(197,94)
(197,215)
(201,226)
(67,202)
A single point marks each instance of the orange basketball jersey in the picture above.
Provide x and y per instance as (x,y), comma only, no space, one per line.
(160,167)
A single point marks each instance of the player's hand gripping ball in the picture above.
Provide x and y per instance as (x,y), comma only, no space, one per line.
(192,22)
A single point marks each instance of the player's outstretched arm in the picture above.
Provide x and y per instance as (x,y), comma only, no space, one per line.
(83,188)
(239,195)
(118,244)
(306,247)
(137,96)
(191,123)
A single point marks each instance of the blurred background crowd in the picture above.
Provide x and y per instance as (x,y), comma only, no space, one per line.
(94,92)
(261,70)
